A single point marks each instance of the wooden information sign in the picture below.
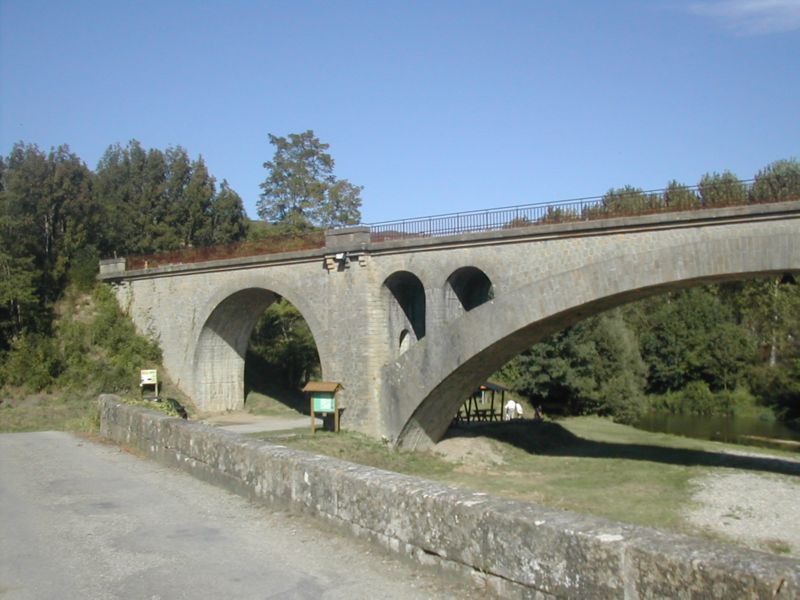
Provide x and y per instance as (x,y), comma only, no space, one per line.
(323,400)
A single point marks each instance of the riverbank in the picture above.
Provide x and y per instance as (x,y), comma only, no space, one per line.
(761,431)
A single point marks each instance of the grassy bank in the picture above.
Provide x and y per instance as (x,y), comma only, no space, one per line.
(585,464)
(48,412)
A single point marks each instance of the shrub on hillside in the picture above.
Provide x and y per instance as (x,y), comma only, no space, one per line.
(94,352)
(105,352)
(32,362)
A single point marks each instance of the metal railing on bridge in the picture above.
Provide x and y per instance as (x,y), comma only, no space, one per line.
(617,203)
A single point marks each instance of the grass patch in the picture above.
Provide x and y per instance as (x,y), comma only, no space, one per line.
(588,465)
(777,547)
(264,403)
(49,412)
(359,448)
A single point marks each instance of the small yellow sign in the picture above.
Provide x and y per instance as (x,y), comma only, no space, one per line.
(148,377)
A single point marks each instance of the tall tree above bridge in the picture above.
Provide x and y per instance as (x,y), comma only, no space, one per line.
(301,191)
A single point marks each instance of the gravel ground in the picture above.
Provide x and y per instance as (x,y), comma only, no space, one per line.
(758,510)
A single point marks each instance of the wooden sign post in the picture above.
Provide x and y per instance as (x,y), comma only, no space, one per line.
(322,395)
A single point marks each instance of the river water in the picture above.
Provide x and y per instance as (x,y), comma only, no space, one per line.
(736,430)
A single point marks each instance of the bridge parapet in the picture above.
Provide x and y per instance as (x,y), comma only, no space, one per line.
(347,238)
(112,267)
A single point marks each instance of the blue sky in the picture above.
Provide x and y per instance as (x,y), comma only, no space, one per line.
(434,107)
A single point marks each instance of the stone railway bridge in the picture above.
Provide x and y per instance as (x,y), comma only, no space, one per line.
(411,327)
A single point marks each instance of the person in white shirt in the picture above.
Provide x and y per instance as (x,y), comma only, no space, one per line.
(509,410)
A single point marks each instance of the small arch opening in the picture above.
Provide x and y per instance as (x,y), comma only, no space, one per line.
(405,341)
(407,302)
(467,288)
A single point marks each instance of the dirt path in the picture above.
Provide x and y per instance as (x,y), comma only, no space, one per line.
(244,422)
(755,509)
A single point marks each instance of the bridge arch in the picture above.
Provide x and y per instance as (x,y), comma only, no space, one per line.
(425,386)
(218,355)
(404,295)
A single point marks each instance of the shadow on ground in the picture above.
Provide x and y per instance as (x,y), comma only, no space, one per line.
(548,438)
(261,377)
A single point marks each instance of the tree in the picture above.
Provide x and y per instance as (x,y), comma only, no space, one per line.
(722,190)
(680,196)
(46,217)
(284,342)
(692,336)
(162,201)
(229,221)
(301,191)
(777,182)
(630,199)
(20,306)
(770,310)
(592,367)
(132,183)
(197,199)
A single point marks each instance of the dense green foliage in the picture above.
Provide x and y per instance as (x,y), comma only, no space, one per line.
(592,367)
(158,201)
(57,218)
(706,350)
(282,346)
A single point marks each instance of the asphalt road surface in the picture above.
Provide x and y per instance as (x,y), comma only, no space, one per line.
(81,520)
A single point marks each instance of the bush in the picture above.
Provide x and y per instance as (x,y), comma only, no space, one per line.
(33,361)
(779,389)
(101,352)
(107,351)
(622,399)
(698,399)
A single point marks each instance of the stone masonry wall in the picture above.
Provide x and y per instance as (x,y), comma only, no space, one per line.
(515,549)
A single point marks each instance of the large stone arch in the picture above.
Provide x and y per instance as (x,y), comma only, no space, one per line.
(221,343)
(424,387)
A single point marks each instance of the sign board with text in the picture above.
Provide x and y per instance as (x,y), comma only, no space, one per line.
(322,396)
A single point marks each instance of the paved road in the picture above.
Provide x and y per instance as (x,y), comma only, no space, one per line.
(259,424)
(80,520)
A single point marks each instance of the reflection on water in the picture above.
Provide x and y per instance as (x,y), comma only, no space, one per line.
(736,430)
